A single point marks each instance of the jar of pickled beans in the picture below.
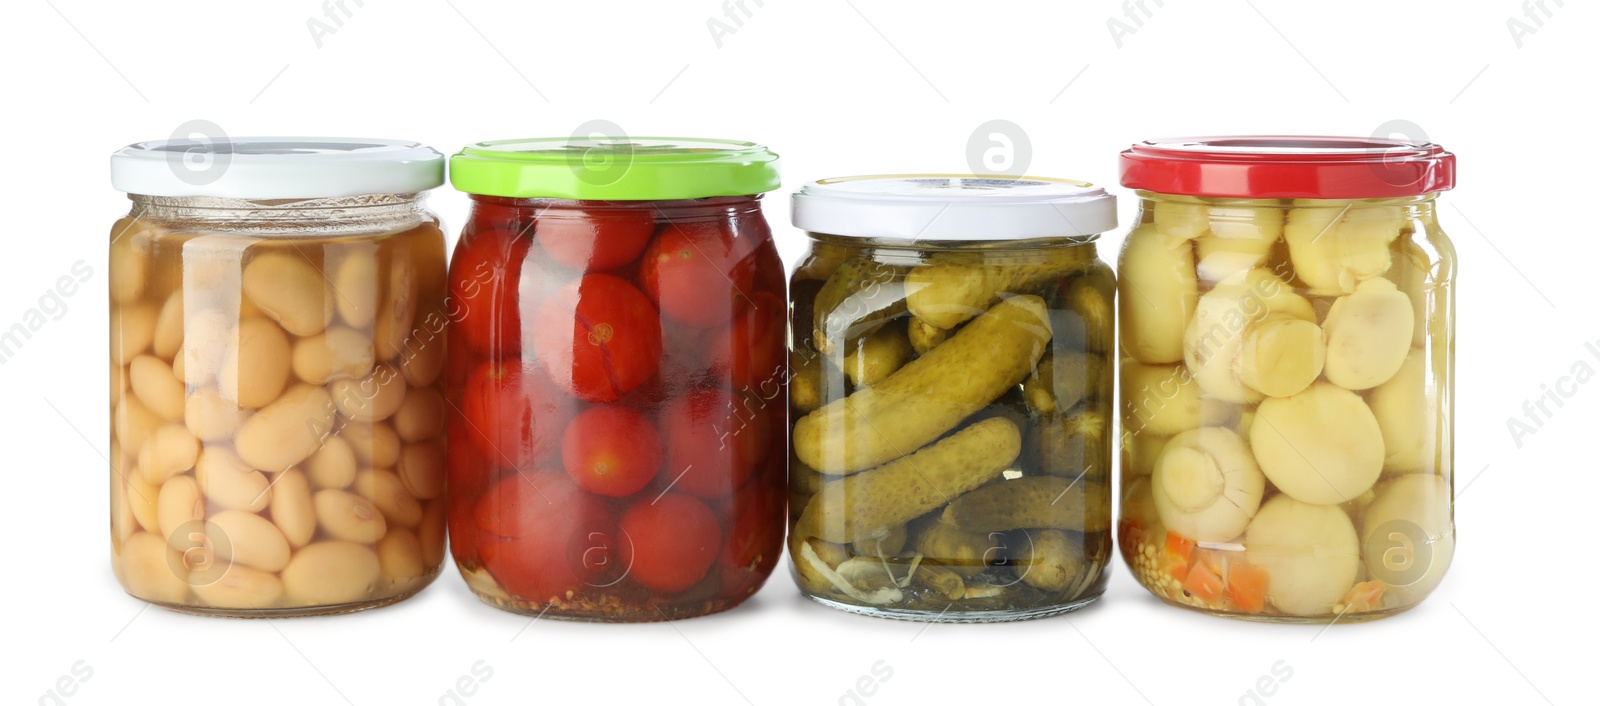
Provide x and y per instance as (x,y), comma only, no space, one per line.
(277,341)
(617,358)
(1287,348)
(951,392)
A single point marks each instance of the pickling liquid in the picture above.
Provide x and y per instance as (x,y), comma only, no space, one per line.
(950,410)
(1286,444)
(619,375)
(278,427)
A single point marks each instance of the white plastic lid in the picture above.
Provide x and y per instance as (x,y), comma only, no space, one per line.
(276,167)
(953,207)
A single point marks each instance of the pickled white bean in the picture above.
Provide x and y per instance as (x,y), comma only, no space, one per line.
(179,503)
(249,539)
(143,500)
(133,329)
(347,516)
(241,588)
(423,361)
(422,468)
(400,554)
(333,465)
(287,431)
(211,416)
(169,327)
(336,354)
(375,445)
(421,415)
(330,573)
(134,423)
(256,365)
(371,399)
(151,570)
(129,261)
(152,380)
(227,482)
(389,494)
(292,509)
(393,327)
(290,291)
(355,283)
(170,450)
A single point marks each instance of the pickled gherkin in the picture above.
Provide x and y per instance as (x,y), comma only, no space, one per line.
(950,398)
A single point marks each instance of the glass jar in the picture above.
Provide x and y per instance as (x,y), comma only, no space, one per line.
(618,362)
(1288,343)
(278,442)
(950,390)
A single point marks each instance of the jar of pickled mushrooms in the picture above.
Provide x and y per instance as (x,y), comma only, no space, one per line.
(277,335)
(1287,368)
(950,392)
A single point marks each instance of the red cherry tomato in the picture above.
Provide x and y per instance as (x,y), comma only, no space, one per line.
(483,289)
(749,351)
(713,441)
(611,451)
(668,544)
(695,271)
(513,413)
(598,337)
(542,537)
(754,539)
(595,239)
(468,476)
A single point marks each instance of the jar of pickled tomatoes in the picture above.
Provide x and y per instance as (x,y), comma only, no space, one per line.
(1287,319)
(277,339)
(617,362)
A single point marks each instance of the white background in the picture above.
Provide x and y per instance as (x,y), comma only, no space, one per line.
(837,88)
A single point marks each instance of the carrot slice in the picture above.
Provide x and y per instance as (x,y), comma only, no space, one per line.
(1364,596)
(1203,583)
(1177,555)
(1179,549)
(1247,587)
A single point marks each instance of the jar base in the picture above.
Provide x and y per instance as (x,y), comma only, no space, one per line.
(302,612)
(973,616)
(579,611)
(312,611)
(1345,618)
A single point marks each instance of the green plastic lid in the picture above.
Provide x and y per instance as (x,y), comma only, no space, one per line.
(627,169)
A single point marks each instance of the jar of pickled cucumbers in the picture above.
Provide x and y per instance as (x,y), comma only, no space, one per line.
(1286,367)
(618,362)
(277,339)
(950,388)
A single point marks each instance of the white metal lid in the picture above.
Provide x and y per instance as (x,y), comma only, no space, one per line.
(276,167)
(953,207)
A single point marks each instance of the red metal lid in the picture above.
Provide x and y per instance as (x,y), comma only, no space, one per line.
(1288,166)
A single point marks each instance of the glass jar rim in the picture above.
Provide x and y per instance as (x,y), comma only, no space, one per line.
(953,207)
